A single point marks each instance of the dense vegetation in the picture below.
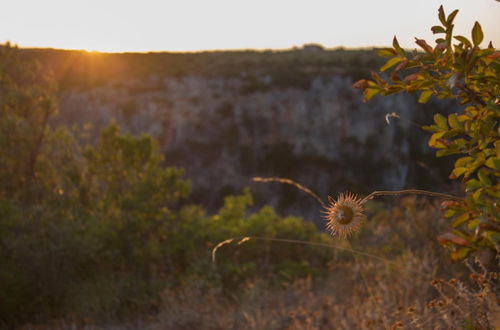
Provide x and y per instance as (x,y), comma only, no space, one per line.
(100,230)
(80,69)
(283,113)
(105,233)
(470,75)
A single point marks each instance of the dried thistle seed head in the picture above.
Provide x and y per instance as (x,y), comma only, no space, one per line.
(345,215)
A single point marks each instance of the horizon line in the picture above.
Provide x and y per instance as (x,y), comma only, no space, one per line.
(196,51)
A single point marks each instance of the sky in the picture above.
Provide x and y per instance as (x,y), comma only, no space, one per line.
(195,25)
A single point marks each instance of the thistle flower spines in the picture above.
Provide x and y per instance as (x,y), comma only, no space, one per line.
(345,215)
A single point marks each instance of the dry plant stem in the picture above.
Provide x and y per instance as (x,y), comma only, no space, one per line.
(367,198)
(293,183)
(365,282)
(397,116)
(409,191)
(295,241)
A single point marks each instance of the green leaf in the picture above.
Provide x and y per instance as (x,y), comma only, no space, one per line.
(477,34)
(477,195)
(464,40)
(473,224)
(460,254)
(482,174)
(451,17)
(485,53)
(495,193)
(462,162)
(440,121)
(472,185)
(446,151)
(449,213)
(425,96)
(441,15)
(494,163)
(457,171)
(397,47)
(438,29)
(370,92)
(390,63)
(454,122)
(460,220)
(494,237)
(434,140)
(386,52)
(431,128)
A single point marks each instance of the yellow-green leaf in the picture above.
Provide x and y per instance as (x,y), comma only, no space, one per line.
(454,122)
(440,121)
(463,161)
(493,192)
(460,254)
(482,174)
(494,163)
(464,40)
(449,213)
(435,142)
(369,93)
(397,47)
(457,171)
(424,96)
(386,52)
(441,15)
(477,195)
(477,34)
(390,63)
(438,29)
(460,219)
(431,128)
(473,224)
(451,17)
(472,185)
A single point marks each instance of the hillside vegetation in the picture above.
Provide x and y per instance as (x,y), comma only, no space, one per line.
(226,117)
(127,200)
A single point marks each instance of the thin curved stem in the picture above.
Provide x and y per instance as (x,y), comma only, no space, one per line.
(409,191)
(367,198)
(295,241)
(293,183)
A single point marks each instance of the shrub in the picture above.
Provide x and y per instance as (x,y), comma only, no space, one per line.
(457,68)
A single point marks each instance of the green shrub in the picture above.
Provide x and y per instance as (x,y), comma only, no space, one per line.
(101,231)
(457,68)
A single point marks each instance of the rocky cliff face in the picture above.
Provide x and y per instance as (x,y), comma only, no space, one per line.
(226,130)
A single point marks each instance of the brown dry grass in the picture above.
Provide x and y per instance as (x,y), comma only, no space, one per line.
(385,297)
(416,288)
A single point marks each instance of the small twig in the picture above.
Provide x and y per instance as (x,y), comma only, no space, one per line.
(295,241)
(214,250)
(367,198)
(293,183)
(395,115)
(471,94)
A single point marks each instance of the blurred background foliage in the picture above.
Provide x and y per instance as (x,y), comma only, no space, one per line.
(99,230)
(105,232)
